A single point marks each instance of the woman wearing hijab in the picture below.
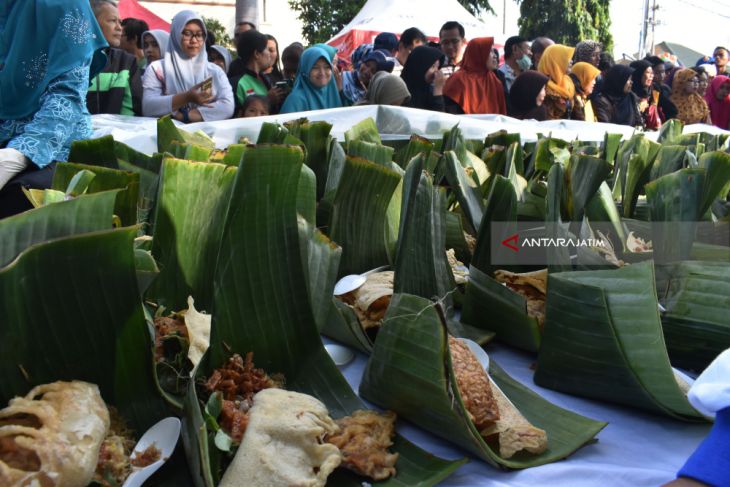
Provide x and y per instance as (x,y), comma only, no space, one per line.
(588,52)
(184,83)
(642,84)
(424,79)
(692,107)
(353,87)
(584,77)
(386,89)
(474,88)
(315,87)
(220,56)
(718,100)
(527,96)
(560,91)
(617,103)
(49,50)
(154,44)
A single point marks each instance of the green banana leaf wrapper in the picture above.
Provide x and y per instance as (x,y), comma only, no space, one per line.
(261,305)
(696,296)
(410,373)
(603,339)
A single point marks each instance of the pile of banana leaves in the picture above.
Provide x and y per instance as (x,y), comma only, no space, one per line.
(259,233)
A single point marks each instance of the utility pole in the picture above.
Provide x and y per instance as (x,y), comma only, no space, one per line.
(248,11)
(504,17)
(644,30)
(654,22)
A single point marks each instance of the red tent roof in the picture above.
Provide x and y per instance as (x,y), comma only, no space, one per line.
(132,8)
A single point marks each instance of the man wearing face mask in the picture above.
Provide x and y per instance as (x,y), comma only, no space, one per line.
(517,59)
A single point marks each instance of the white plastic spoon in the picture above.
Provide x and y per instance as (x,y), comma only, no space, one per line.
(353,281)
(341,355)
(164,436)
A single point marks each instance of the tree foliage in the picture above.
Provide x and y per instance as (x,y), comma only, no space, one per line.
(213,26)
(567,21)
(322,19)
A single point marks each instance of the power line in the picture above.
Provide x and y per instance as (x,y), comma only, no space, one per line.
(701,7)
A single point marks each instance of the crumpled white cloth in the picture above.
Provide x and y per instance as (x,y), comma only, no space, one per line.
(11,163)
(711,391)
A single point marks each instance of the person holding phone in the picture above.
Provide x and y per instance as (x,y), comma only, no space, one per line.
(425,81)
(184,83)
(253,51)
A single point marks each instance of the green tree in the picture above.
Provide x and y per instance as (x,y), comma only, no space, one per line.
(567,21)
(322,19)
(213,26)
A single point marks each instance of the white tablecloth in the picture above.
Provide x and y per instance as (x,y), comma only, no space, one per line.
(636,449)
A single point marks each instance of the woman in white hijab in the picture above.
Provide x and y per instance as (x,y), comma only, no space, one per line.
(184,83)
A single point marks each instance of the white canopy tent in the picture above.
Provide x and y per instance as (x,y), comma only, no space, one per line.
(395,16)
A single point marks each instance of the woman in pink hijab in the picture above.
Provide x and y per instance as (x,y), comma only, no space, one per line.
(717,97)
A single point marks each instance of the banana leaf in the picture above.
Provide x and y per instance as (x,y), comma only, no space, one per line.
(377,153)
(410,373)
(316,138)
(709,252)
(335,168)
(467,193)
(361,223)
(603,339)
(502,138)
(637,174)
(343,325)
(415,146)
(95,152)
(189,152)
(696,296)
(421,266)
(455,239)
(84,214)
(453,140)
(717,178)
(558,257)
(167,132)
(670,132)
(670,158)
(501,207)
(548,151)
(306,195)
(610,147)
(675,201)
(322,260)
(266,309)
(272,133)
(106,179)
(188,224)
(583,177)
(515,159)
(602,208)
(82,321)
(365,130)
(491,306)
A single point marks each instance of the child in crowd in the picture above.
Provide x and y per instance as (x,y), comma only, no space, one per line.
(256,106)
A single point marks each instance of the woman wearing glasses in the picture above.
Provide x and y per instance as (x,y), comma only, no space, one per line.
(184,83)
(692,107)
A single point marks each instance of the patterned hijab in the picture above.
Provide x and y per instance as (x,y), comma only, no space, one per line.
(719,109)
(39,41)
(585,72)
(305,96)
(554,63)
(474,87)
(692,108)
(387,89)
(584,51)
(181,71)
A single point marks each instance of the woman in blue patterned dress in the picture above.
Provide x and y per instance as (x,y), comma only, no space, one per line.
(48,49)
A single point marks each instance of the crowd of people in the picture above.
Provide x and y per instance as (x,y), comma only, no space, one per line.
(92,61)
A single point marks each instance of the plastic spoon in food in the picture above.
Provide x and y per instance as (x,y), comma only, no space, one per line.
(341,355)
(164,436)
(353,281)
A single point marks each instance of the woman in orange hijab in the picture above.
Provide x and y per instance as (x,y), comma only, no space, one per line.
(560,90)
(474,88)
(692,107)
(584,77)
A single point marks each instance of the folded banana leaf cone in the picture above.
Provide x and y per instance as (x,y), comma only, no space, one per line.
(603,339)
(696,299)
(261,305)
(413,371)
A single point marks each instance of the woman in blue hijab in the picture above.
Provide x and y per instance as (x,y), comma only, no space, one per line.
(315,87)
(48,51)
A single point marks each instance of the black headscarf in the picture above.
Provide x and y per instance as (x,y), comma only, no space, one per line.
(625,112)
(637,77)
(523,94)
(414,72)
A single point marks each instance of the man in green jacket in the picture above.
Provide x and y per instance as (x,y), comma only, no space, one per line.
(118,88)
